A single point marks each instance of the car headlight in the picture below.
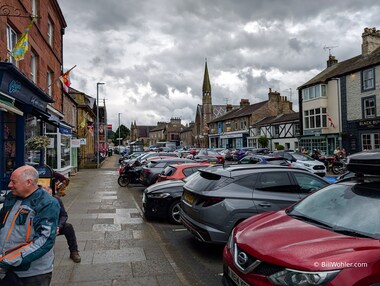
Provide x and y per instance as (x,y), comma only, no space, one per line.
(302,278)
(231,242)
(158,196)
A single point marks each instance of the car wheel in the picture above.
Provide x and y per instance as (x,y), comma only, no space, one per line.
(174,212)
(123,181)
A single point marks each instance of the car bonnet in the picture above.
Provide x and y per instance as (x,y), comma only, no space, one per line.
(280,239)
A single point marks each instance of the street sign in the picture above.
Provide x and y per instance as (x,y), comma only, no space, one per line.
(109,126)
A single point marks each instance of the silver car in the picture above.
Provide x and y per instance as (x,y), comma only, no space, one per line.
(214,201)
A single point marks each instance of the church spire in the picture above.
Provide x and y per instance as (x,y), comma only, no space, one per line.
(206,89)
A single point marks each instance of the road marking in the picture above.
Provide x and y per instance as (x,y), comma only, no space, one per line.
(179,229)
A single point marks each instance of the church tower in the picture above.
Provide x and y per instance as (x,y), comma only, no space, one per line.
(206,101)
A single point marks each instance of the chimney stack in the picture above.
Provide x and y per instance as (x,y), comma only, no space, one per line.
(331,61)
(244,102)
(371,40)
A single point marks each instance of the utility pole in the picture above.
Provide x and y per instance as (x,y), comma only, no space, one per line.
(119,131)
(97,124)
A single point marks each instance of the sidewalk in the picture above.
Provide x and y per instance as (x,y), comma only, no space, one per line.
(116,245)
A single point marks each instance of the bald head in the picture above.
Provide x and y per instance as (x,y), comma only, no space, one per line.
(23,181)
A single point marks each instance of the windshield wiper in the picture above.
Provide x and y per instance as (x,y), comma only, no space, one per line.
(308,219)
(350,232)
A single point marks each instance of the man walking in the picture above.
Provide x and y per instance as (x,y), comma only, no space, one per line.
(28,224)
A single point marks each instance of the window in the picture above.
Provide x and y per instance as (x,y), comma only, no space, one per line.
(49,77)
(276,131)
(368,79)
(308,183)
(315,91)
(50,32)
(33,67)
(369,107)
(370,141)
(315,118)
(274,181)
(11,42)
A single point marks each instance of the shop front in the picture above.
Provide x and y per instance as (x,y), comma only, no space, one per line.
(234,139)
(23,115)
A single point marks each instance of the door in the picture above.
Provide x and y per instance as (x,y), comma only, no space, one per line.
(274,191)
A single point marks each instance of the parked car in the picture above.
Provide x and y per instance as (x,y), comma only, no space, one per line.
(210,156)
(227,154)
(180,171)
(331,237)
(303,161)
(264,159)
(150,171)
(217,199)
(162,200)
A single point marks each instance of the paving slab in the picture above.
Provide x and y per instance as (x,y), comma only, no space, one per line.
(116,245)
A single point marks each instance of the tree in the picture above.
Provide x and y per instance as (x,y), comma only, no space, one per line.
(124,133)
(263,141)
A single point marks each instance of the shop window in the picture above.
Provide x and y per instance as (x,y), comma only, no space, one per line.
(370,141)
(65,151)
(51,152)
(32,129)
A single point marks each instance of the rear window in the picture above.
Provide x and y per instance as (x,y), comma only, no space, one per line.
(169,171)
(205,181)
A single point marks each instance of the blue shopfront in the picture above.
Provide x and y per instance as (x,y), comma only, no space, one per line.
(23,114)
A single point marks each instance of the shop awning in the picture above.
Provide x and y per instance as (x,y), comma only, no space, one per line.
(8,106)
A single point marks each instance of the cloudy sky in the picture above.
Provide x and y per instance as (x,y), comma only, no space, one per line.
(151,53)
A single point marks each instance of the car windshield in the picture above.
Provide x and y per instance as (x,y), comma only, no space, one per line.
(302,157)
(349,209)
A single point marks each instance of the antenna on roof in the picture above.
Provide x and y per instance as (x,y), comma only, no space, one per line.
(226,99)
(329,48)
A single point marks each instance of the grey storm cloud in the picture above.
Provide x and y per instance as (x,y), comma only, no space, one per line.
(151,54)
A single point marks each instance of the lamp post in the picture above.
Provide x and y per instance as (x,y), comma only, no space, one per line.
(97,123)
(119,131)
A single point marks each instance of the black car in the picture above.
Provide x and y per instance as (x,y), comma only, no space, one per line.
(162,200)
(150,172)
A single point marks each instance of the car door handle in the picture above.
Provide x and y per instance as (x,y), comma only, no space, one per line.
(265,205)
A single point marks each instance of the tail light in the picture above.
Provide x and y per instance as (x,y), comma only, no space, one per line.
(121,170)
(208,201)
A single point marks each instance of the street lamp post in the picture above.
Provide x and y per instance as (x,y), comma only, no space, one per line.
(97,123)
(119,131)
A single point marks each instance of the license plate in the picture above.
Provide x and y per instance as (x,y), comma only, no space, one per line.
(189,198)
(234,277)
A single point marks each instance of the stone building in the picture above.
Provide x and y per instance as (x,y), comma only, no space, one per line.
(338,107)
(233,128)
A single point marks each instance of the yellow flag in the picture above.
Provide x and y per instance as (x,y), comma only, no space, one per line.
(21,46)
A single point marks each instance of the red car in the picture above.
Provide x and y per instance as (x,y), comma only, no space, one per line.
(331,237)
(180,171)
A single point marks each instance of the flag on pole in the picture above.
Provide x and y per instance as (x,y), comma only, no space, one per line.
(331,123)
(65,79)
(22,44)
